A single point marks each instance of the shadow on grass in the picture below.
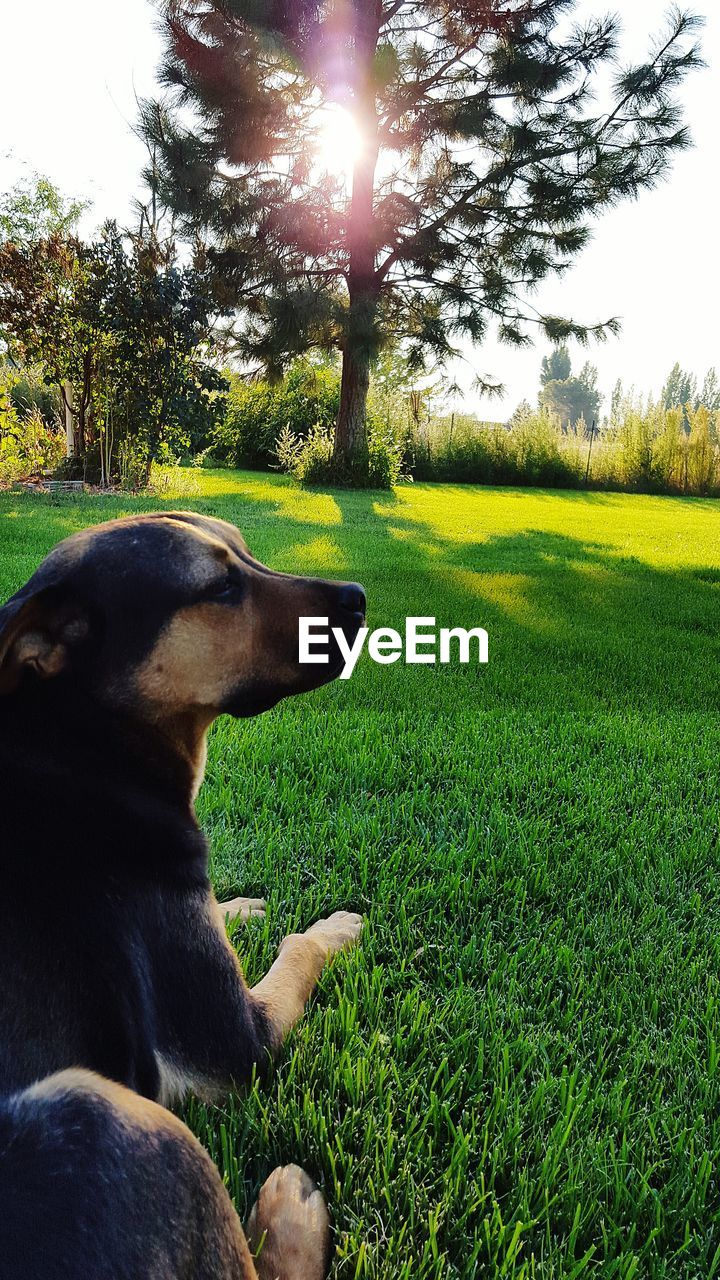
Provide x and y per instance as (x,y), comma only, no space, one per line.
(572,623)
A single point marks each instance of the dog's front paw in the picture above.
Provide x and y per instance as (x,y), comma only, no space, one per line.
(289,1228)
(242,908)
(338,933)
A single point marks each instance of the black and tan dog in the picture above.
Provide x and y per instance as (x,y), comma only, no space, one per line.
(118,987)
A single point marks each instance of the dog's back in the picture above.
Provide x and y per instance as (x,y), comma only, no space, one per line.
(93,869)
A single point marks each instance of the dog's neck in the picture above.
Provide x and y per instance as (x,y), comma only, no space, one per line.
(185,741)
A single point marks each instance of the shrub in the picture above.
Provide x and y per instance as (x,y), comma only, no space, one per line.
(258,411)
(29,391)
(28,446)
(168,480)
(642,449)
(533,450)
(311,460)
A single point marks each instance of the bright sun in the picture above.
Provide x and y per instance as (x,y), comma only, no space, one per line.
(339,141)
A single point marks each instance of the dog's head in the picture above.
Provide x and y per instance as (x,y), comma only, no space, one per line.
(169,615)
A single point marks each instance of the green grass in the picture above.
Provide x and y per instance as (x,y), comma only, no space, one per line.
(518,1074)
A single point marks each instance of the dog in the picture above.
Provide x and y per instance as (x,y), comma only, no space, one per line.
(119,989)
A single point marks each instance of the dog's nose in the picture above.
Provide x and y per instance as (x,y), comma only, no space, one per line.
(351,596)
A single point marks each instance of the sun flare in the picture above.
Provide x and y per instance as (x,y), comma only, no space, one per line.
(339,141)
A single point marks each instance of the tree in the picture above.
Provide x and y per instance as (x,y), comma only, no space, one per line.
(556,367)
(569,399)
(679,390)
(39,284)
(483,161)
(121,335)
(710,393)
(617,401)
(35,209)
(700,457)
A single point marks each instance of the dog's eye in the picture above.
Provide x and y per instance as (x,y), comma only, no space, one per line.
(225,590)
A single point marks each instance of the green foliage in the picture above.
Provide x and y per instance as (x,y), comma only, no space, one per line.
(35,209)
(556,367)
(571,400)
(257,412)
(120,331)
(515,1077)
(500,161)
(29,390)
(679,390)
(28,445)
(313,461)
(155,386)
(533,451)
(703,456)
(644,450)
(710,391)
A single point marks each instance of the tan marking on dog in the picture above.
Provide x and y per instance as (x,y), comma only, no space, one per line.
(218,1235)
(201,653)
(199,763)
(177,1081)
(289,1227)
(289,983)
(241,908)
(77,1079)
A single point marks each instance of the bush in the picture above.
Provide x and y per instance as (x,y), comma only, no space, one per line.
(171,481)
(257,412)
(28,446)
(641,450)
(311,460)
(29,391)
(532,451)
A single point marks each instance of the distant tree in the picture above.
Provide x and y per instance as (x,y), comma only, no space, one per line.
(571,399)
(680,389)
(710,391)
(616,401)
(496,160)
(521,413)
(34,209)
(700,466)
(556,367)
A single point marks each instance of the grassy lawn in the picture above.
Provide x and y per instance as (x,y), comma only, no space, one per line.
(518,1075)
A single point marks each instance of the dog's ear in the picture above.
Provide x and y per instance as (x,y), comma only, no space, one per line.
(38,632)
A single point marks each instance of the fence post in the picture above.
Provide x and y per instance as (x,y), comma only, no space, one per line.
(592,437)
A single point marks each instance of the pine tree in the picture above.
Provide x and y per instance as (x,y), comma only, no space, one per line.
(485,159)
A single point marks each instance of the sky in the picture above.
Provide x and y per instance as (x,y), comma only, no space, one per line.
(71,75)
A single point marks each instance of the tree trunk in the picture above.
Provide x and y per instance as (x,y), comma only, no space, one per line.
(350,432)
(70,429)
(362,279)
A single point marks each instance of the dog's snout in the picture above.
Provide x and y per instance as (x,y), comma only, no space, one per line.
(351,596)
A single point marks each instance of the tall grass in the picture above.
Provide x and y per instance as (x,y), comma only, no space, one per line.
(649,450)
